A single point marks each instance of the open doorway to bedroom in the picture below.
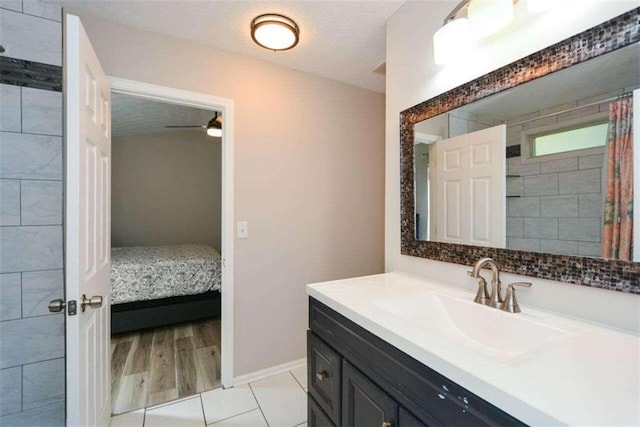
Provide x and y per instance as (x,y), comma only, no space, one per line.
(167,238)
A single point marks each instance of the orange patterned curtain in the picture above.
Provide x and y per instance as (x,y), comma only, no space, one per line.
(617,242)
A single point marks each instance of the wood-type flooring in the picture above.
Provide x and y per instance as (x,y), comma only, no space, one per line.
(155,366)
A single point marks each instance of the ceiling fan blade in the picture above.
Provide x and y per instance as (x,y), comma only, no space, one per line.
(191,126)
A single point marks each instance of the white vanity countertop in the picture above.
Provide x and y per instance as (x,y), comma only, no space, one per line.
(590,377)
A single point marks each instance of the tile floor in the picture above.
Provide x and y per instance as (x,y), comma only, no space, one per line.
(276,401)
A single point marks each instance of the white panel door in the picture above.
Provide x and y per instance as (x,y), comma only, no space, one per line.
(88,230)
(470,175)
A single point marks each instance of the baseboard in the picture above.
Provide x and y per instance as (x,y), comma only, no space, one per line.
(258,375)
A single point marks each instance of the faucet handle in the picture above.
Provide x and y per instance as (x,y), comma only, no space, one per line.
(482,296)
(510,303)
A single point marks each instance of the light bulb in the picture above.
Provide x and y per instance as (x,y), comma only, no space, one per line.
(487,17)
(452,41)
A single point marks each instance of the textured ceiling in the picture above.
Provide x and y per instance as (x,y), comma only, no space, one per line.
(135,116)
(339,40)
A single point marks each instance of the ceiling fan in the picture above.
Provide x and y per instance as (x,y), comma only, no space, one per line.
(214,127)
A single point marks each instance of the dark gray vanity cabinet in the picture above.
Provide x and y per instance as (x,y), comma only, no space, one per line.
(356,379)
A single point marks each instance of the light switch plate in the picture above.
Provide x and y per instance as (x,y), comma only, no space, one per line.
(242,230)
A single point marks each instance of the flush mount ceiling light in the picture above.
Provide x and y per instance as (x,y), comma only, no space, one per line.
(274,32)
(469,21)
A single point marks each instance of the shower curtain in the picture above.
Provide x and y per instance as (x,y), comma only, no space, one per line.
(617,242)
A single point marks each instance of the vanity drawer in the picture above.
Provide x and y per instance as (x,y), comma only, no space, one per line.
(316,416)
(324,375)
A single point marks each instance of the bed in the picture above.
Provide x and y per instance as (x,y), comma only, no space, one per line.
(153,286)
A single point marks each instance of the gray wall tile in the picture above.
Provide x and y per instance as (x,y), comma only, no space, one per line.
(523,206)
(516,243)
(515,186)
(581,229)
(516,167)
(583,181)
(591,162)
(591,205)
(541,228)
(28,156)
(42,383)
(41,111)
(10,296)
(31,38)
(38,288)
(47,416)
(31,340)
(515,227)
(42,9)
(9,202)
(590,249)
(565,247)
(10,391)
(30,248)
(540,122)
(541,185)
(11,5)
(9,108)
(581,112)
(41,202)
(559,165)
(559,206)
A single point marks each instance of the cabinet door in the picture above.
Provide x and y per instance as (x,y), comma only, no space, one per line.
(406,419)
(363,403)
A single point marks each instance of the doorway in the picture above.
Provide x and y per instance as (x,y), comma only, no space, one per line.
(225,108)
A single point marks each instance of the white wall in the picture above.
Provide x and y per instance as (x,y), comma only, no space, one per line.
(309,162)
(166,189)
(412,77)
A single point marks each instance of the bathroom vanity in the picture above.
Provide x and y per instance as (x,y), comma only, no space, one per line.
(397,350)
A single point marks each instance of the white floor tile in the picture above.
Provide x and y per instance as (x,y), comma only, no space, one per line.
(186,413)
(282,400)
(301,375)
(171,402)
(130,419)
(220,404)
(249,419)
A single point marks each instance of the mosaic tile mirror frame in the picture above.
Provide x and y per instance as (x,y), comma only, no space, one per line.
(623,276)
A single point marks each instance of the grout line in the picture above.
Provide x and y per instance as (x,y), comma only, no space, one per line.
(235,415)
(20,199)
(42,17)
(21,109)
(30,133)
(204,418)
(258,402)
(298,382)
(21,313)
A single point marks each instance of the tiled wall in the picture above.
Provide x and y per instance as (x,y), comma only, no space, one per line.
(32,371)
(561,199)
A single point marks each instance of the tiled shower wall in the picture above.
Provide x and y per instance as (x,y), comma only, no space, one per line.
(32,368)
(558,202)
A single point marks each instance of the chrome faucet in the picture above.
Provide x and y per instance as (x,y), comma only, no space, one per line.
(495,299)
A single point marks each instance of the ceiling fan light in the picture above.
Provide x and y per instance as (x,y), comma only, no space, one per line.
(214,128)
(487,17)
(452,41)
(274,32)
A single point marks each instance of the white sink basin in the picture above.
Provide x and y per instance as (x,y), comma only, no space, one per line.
(500,334)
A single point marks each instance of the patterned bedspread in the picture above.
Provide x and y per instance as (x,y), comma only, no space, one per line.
(154,272)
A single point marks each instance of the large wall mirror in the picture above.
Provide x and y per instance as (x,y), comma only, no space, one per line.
(527,163)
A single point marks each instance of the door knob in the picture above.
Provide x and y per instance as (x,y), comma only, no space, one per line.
(56,305)
(93,302)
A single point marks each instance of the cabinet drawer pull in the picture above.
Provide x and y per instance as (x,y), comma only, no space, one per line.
(322,375)
(386,424)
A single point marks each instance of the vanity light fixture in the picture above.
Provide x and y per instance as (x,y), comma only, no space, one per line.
(536,6)
(487,17)
(275,32)
(469,21)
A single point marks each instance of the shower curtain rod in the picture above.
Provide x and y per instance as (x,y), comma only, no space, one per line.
(602,101)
